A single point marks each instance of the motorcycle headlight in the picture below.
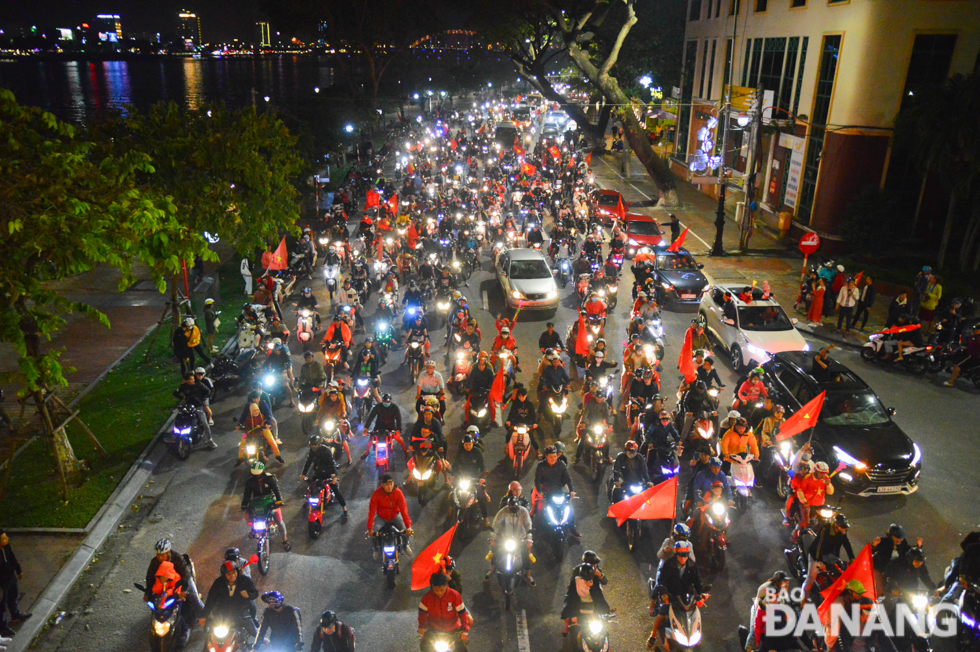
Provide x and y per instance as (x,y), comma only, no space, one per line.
(510,545)
(785,448)
(602,293)
(363,382)
(161,628)
(558,499)
(718,509)
(250,450)
(482,413)
(441,646)
(597,430)
(381,327)
(416,474)
(427,474)
(269,380)
(919,601)
(258,526)
(323,241)
(415,345)
(314,501)
(825,513)
(328,425)
(595,627)
(221,631)
(636,488)
(460,355)
(305,313)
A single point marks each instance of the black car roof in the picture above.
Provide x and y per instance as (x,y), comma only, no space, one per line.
(843,377)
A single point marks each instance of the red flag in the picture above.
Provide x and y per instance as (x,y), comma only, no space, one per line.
(686,360)
(518,150)
(656,502)
(528,169)
(862,570)
(679,242)
(582,340)
(373,199)
(410,170)
(429,560)
(857,279)
(275,261)
(499,383)
(803,419)
(393,204)
(555,153)
(899,329)
(588,159)
(453,143)
(481,130)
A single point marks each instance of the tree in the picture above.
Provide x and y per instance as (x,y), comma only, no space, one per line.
(64,210)
(228,173)
(941,130)
(580,29)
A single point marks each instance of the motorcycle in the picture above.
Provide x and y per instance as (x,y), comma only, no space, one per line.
(331,279)
(479,408)
(915,359)
(683,625)
(386,305)
(594,636)
(556,399)
(610,292)
(228,639)
(332,438)
(780,472)
(743,479)
(967,627)
(382,441)
(797,556)
(263,525)
(307,404)
(508,567)
(462,366)
(464,509)
(306,327)
(363,398)
(416,352)
(318,497)
(273,385)
(332,359)
(634,527)
(662,463)
(712,540)
(384,339)
(519,447)
(912,639)
(582,287)
(408,317)
(186,432)
(424,472)
(168,629)
(595,438)
(555,523)
(597,328)
(563,269)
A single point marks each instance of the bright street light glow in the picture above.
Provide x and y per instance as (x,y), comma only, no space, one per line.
(349,129)
(645,81)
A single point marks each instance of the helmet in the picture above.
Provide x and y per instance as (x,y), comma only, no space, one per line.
(822,467)
(328,619)
(855,586)
(779,576)
(162,547)
(232,554)
(664,414)
(657,397)
(369,338)
(715,461)
(586,572)
(365,353)
(742,421)
(200,370)
(631,446)
(306,291)
(599,341)
(916,554)
(560,447)
(474,430)
(188,322)
(682,548)
(308,355)
(208,301)
(276,342)
(257,468)
(589,557)
(505,331)
(701,386)
(273,598)
(896,530)
(467,439)
(512,501)
(430,363)
(315,440)
(550,450)
(386,398)
(841,522)
(682,531)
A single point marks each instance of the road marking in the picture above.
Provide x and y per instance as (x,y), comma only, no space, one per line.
(630,184)
(523,643)
(486,301)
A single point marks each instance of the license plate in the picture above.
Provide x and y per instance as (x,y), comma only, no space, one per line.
(889,490)
(687,296)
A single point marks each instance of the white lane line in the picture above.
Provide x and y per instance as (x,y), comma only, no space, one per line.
(649,198)
(523,642)
(486,301)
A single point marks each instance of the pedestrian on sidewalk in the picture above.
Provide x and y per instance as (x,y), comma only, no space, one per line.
(193,334)
(10,572)
(675,227)
(866,300)
(834,288)
(898,308)
(246,270)
(182,351)
(919,289)
(847,300)
(930,299)
(211,323)
(815,315)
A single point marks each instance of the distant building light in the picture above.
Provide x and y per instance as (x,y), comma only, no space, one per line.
(108,16)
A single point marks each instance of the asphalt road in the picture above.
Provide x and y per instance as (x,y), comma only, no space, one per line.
(196,504)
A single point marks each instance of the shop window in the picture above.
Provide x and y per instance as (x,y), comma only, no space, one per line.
(822,96)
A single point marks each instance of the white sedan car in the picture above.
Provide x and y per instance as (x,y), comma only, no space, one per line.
(752,331)
(527,280)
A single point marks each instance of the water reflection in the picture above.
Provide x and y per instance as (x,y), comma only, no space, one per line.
(193,96)
(76,97)
(117,83)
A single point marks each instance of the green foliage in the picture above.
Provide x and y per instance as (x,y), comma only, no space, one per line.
(869,224)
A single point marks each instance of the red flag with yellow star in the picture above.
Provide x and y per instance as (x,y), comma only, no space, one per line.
(804,419)
(276,260)
(429,560)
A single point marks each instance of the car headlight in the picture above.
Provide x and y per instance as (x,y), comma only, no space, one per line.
(756,351)
(516,294)
(850,460)
(160,628)
(551,294)
(633,242)
(918,455)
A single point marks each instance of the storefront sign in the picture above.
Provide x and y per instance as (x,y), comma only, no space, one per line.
(795,170)
(742,98)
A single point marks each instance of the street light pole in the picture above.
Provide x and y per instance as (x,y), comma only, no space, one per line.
(719,245)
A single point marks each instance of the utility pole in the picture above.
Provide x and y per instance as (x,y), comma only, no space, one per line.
(748,214)
(719,245)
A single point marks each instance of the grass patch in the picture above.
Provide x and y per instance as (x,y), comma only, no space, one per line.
(124,411)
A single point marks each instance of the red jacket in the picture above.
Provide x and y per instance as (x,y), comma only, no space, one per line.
(445,614)
(387,506)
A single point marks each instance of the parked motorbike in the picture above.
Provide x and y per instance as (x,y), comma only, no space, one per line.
(915,360)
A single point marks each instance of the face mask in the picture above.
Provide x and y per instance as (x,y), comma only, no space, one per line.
(387,404)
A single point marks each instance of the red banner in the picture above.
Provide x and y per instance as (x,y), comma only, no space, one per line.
(275,261)
(373,199)
(804,418)
(679,242)
(429,560)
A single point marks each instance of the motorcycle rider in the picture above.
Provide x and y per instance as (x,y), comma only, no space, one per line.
(386,416)
(163,552)
(441,610)
(281,622)
(596,412)
(338,331)
(629,469)
(278,329)
(550,339)
(675,578)
(332,405)
(279,360)
(749,392)
(825,549)
(229,597)
(349,299)
(469,463)
(367,367)
(504,341)
(413,296)
(775,590)
(812,493)
(697,401)
(516,490)
(428,429)
(200,378)
(417,331)
(522,412)
(551,476)
(470,336)
(257,421)
(644,386)
(680,532)
(583,598)
(430,383)
(311,374)
(513,521)
(904,574)
(705,478)
(320,459)
(661,434)
(388,503)
(332,635)
(738,440)
(554,376)
(262,483)
(709,374)
(195,395)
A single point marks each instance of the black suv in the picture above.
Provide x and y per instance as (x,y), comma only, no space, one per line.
(853,428)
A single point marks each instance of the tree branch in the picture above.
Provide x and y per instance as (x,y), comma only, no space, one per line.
(618,44)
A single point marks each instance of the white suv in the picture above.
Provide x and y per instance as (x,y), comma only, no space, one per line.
(751,331)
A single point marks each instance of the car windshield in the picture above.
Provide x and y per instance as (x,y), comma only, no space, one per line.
(608,200)
(639,227)
(527,269)
(853,410)
(763,318)
(676,263)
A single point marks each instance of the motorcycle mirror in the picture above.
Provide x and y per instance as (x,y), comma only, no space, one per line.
(891,412)
(700,265)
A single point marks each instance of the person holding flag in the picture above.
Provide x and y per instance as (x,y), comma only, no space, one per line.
(825,549)
(441,610)
(812,493)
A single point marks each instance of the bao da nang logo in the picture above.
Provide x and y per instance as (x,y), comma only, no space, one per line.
(858,618)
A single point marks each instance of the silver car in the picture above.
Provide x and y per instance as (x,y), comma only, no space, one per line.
(527,280)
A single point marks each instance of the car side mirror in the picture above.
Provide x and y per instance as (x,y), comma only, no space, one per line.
(730,322)
(891,412)
(700,265)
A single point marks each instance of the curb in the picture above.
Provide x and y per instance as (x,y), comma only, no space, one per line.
(99,528)
(829,337)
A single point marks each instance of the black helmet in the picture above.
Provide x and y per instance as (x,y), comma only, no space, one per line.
(842,522)
(701,386)
(550,450)
(232,554)
(467,439)
(896,530)
(308,354)
(589,557)
(386,397)
(916,554)
(586,572)
(316,440)
(779,576)
(255,393)
(328,619)
(513,502)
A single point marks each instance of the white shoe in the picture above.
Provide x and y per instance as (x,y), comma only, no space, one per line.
(210,422)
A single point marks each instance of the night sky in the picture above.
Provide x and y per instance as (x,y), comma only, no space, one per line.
(221,20)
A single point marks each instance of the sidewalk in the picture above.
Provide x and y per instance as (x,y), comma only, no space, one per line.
(769,257)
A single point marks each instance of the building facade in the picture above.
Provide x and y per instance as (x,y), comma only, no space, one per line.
(189,29)
(832,76)
(262,35)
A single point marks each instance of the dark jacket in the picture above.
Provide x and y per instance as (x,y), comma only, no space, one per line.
(900,574)
(631,470)
(469,464)
(549,479)
(342,639)
(554,377)
(224,603)
(522,412)
(194,394)
(151,572)
(388,418)
(261,485)
(573,605)
(658,435)
(322,462)
(882,553)
(285,628)
(181,348)
(552,341)
(869,294)
(695,402)
(830,543)
(673,582)
(438,440)
(10,568)
(479,381)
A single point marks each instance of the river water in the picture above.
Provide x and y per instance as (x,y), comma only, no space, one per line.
(78,90)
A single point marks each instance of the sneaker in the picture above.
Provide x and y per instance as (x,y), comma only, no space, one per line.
(6,632)
(948,383)
(280,460)
(488,576)
(286,546)
(210,422)
(364,456)
(211,445)
(530,580)
(345,517)
(408,549)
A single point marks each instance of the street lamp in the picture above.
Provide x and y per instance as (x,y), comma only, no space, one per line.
(349,128)
(645,81)
(415,97)
(316,89)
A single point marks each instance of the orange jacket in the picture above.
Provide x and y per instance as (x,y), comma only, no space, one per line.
(734,444)
(345,333)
